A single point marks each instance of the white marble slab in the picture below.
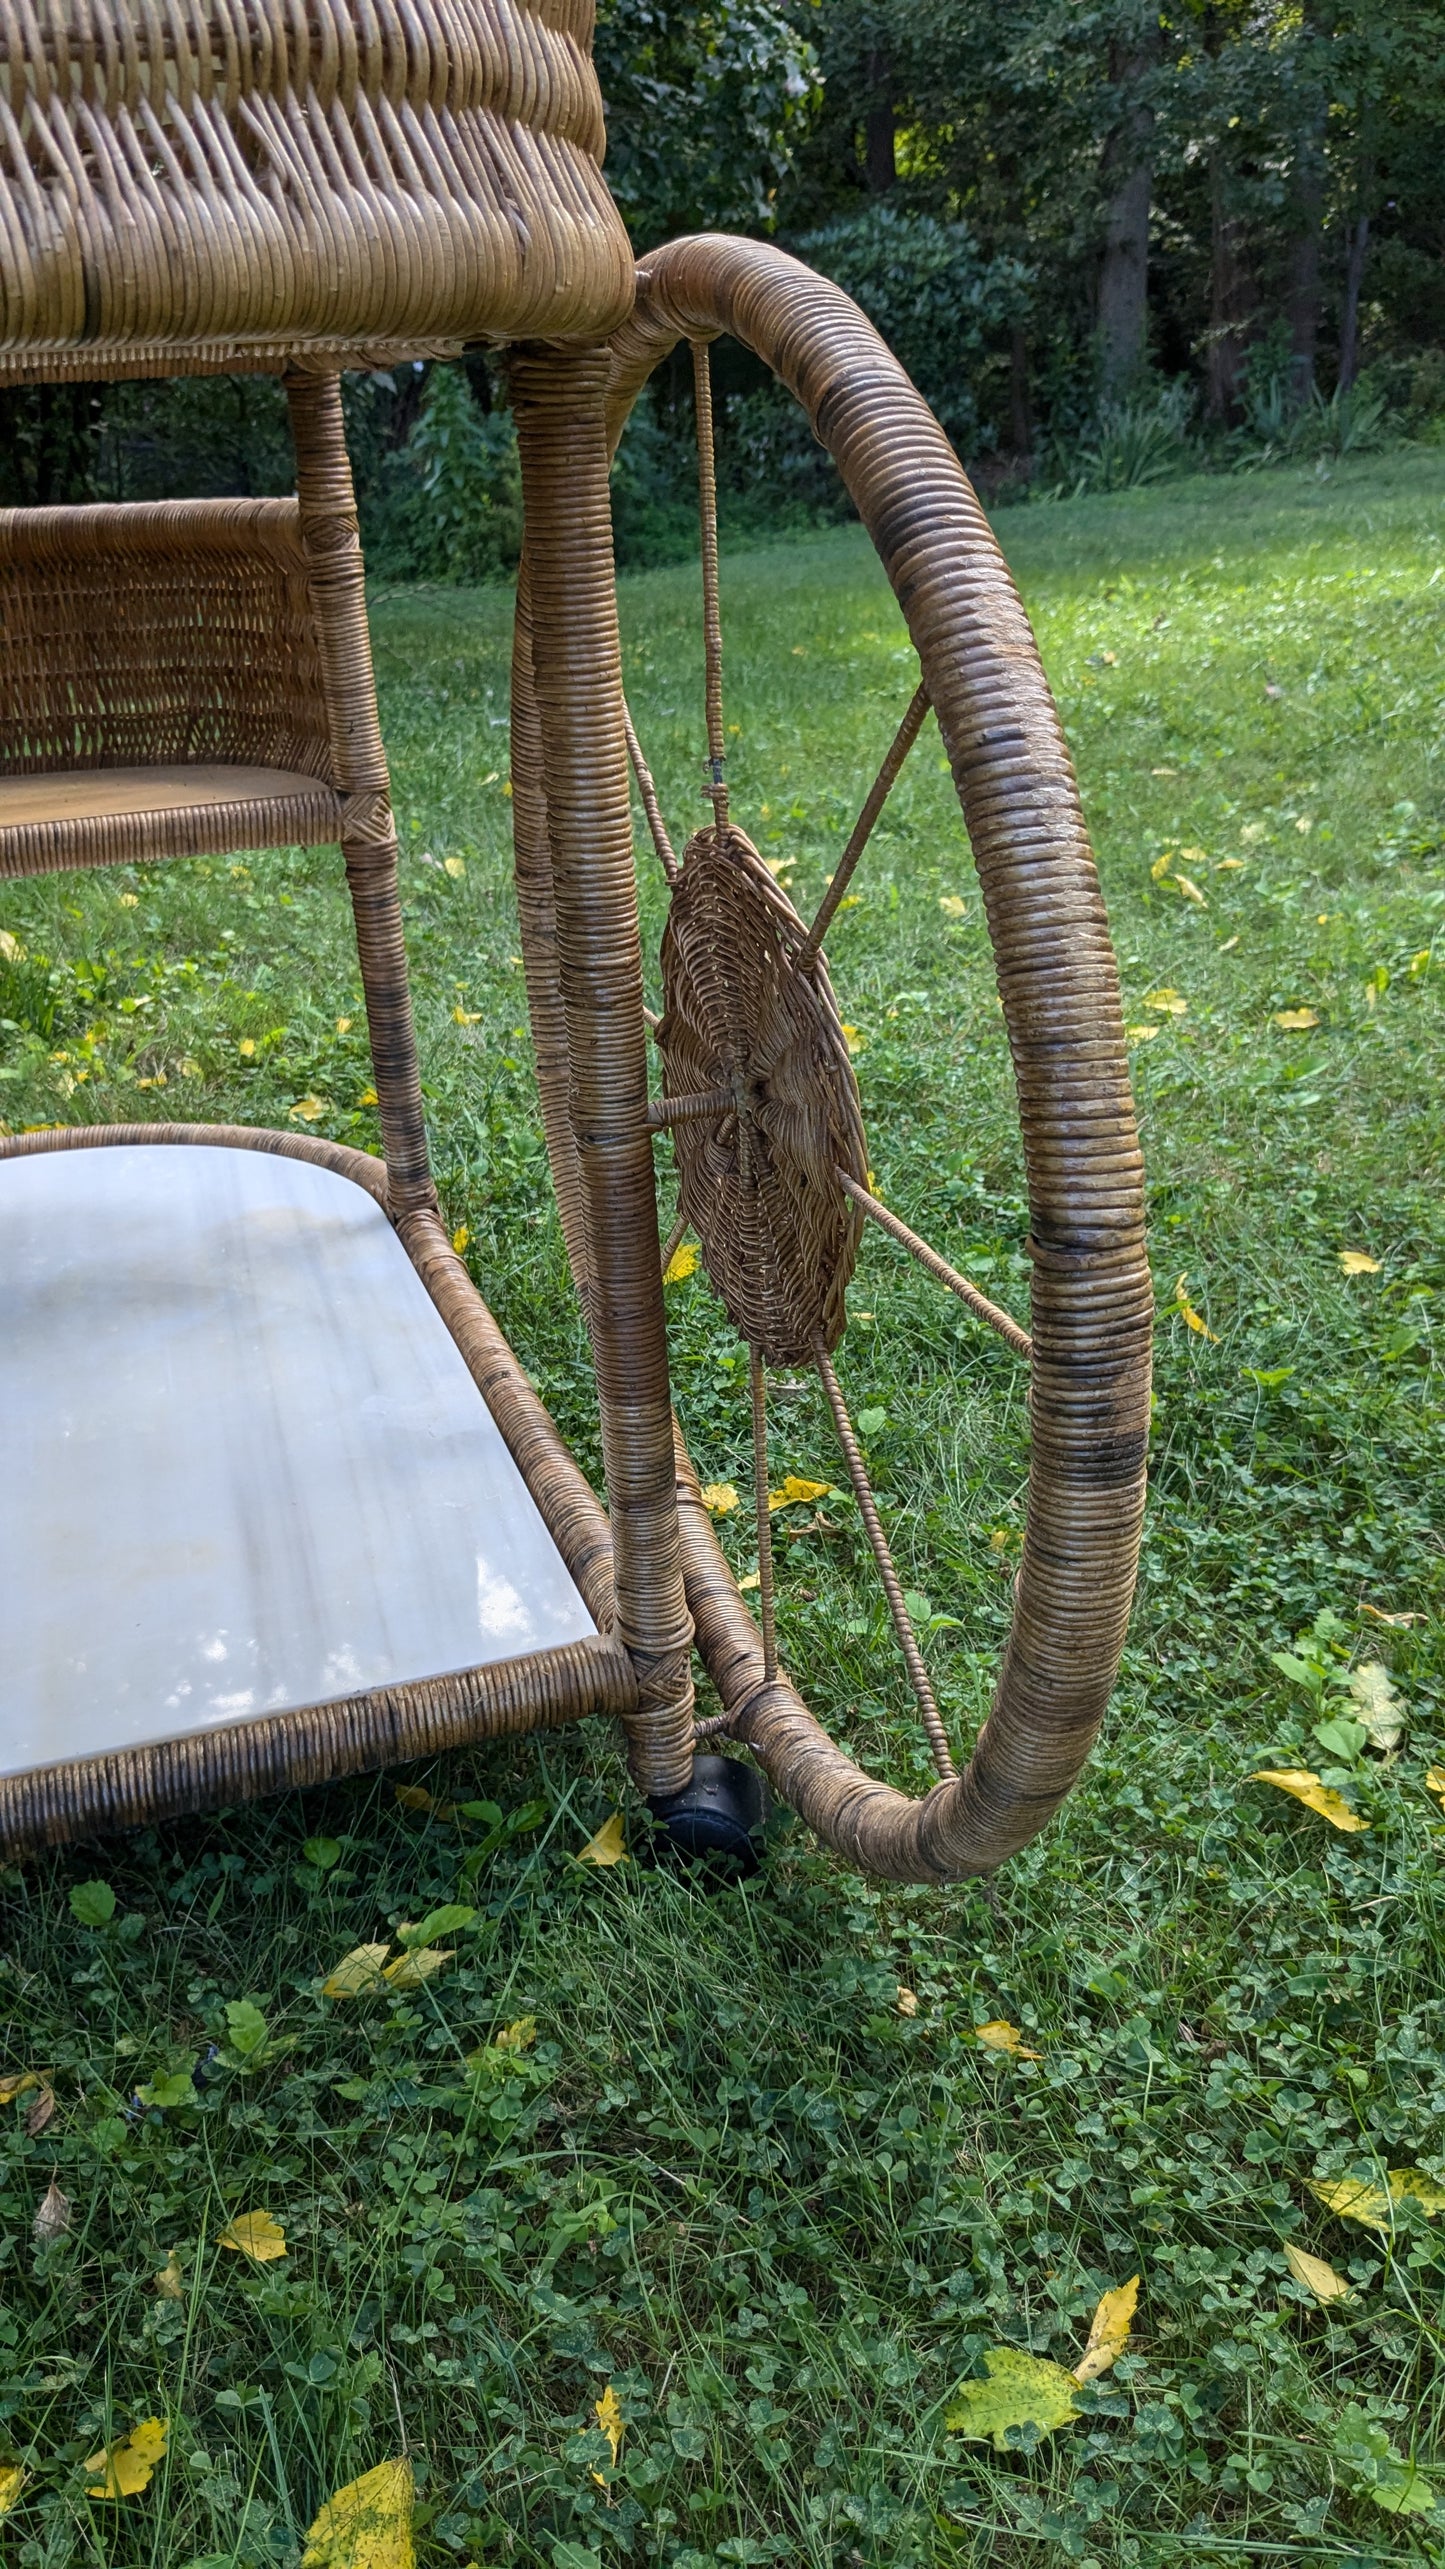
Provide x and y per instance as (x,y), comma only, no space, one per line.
(245,1467)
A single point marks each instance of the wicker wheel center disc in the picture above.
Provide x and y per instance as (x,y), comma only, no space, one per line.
(779,1236)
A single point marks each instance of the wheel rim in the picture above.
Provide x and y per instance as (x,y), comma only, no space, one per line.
(1092,1303)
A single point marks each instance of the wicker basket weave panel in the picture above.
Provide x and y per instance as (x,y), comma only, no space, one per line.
(177,632)
(246,181)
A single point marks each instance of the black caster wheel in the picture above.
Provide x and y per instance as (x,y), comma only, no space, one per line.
(716,1822)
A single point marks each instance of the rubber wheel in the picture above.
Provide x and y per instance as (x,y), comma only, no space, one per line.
(716,1821)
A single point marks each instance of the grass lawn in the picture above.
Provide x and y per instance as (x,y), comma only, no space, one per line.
(731,2177)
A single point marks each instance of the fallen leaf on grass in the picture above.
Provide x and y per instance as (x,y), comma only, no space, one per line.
(1317,1797)
(454,866)
(415,1797)
(1358,1262)
(684,1262)
(1351,2199)
(40,2112)
(999,2036)
(15,2083)
(1435,1781)
(854,1041)
(1377,1614)
(366,2525)
(1168,1003)
(168,2282)
(1021,2390)
(410,1969)
(1378,1708)
(1142,1034)
(53,2218)
(608,1846)
(306,1110)
(255,2235)
(128,2466)
(796,1493)
(1190,890)
(358,1971)
(12,2481)
(753,1579)
(1108,2331)
(907,2001)
(720,1498)
(612,2424)
(519,2036)
(952,905)
(1317,2277)
(1161,865)
(462,1239)
(1190,1316)
(1295,1020)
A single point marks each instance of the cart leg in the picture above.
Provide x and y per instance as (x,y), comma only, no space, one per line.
(368,834)
(558,400)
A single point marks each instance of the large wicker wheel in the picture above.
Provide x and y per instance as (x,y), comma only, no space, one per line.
(763,1113)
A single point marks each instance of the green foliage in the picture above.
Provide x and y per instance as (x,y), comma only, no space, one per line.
(721,2171)
(933,294)
(451,505)
(706,105)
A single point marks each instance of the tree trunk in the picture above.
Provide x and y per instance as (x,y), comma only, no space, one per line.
(1350,310)
(1129,173)
(879,154)
(1302,301)
(1229,298)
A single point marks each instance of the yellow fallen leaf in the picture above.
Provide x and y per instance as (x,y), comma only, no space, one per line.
(12,2481)
(720,1498)
(1377,1705)
(462,1238)
(13,951)
(15,2082)
(1230,865)
(367,1097)
(360,1969)
(1294,1020)
(850,900)
(168,2282)
(246,1046)
(1358,1262)
(255,2235)
(796,1493)
(1161,865)
(1315,2275)
(1307,1788)
(854,1041)
(343,1025)
(752,1580)
(1142,1034)
(1190,1316)
(1435,1781)
(608,1846)
(1190,890)
(1108,2331)
(907,2001)
(999,2036)
(519,2036)
(306,1110)
(608,2414)
(1168,1003)
(128,2466)
(416,1965)
(128,900)
(454,867)
(1021,2390)
(1420,2188)
(684,1262)
(1350,2200)
(366,2525)
(1110,659)
(953,905)
(466,1016)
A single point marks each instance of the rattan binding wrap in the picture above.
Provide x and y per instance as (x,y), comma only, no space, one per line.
(1092,1304)
(248,185)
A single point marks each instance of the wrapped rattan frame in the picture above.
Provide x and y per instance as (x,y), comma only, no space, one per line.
(384,1725)
(1092,1303)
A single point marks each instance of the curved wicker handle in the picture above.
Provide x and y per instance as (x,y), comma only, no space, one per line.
(1092,1300)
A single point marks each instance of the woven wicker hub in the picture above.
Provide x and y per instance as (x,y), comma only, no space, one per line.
(779,1236)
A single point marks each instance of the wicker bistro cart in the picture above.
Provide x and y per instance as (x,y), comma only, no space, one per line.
(280,1501)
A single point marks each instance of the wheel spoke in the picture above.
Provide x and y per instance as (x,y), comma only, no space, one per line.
(763,1513)
(939,1268)
(690,1110)
(650,803)
(873,1524)
(878,793)
(711,613)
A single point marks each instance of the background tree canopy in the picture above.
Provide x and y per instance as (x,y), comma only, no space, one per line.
(1106,238)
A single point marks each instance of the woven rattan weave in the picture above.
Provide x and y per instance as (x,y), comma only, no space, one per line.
(251,187)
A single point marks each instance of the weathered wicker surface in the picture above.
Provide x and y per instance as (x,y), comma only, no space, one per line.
(196,189)
(1092,1304)
(779,1236)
